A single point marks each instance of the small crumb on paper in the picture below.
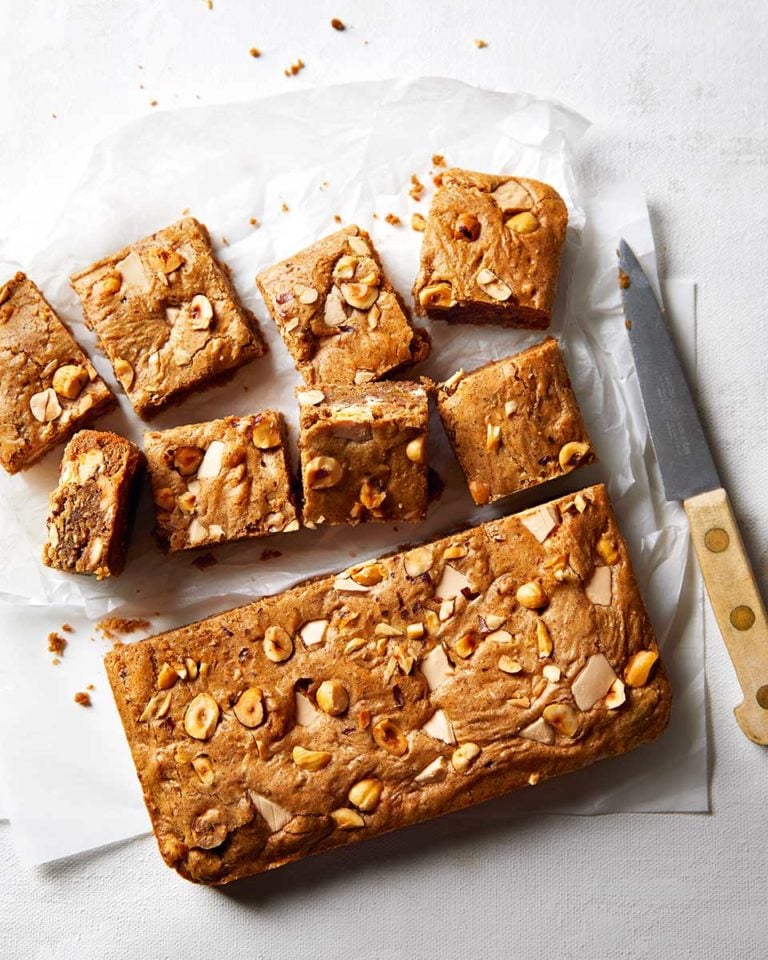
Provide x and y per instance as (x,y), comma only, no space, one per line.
(417,188)
(284,207)
(338,24)
(418,223)
(56,644)
(438,160)
(294,68)
(110,626)
(67,628)
(255,52)
(480,44)
(254,222)
(83,699)
(153,103)
(393,219)
(337,218)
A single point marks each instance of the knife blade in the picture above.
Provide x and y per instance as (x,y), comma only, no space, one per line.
(689,474)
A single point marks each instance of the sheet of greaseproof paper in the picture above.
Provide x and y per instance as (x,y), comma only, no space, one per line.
(293,162)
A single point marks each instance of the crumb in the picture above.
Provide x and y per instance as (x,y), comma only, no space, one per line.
(204,561)
(284,207)
(54,116)
(55,662)
(109,626)
(185,212)
(417,188)
(224,240)
(628,324)
(270,554)
(294,68)
(393,219)
(480,44)
(418,223)
(374,216)
(337,218)
(438,160)
(338,24)
(324,185)
(90,687)
(56,644)
(437,179)
(255,52)
(67,628)
(83,699)
(153,103)
(624,282)
(254,222)
(209,4)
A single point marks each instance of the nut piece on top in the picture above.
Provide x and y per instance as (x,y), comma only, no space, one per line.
(515,422)
(491,251)
(338,314)
(222,480)
(364,453)
(48,387)
(167,316)
(91,510)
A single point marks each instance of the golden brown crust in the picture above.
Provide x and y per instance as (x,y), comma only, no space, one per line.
(364,453)
(167,316)
(220,481)
(227,779)
(514,423)
(91,509)
(37,355)
(338,314)
(491,251)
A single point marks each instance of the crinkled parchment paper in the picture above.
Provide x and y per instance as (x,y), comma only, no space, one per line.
(293,162)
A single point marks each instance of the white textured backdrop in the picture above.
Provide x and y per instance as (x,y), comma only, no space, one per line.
(682,87)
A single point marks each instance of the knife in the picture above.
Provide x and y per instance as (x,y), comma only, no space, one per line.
(689,474)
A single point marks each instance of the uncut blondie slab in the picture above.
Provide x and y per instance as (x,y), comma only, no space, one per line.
(48,387)
(491,251)
(222,480)
(167,315)
(398,690)
(338,314)
(92,507)
(515,422)
(364,453)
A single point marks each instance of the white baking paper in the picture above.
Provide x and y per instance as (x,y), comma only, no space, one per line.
(347,150)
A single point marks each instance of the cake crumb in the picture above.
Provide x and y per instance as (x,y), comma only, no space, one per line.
(438,160)
(254,222)
(393,219)
(337,218)
(437,179)
(294,68)
(67,628)
(56,644)
(270,554)
(153,103)
(255,52)
(225,240)
(418,223)
(83,699)
(480,44)
(55,662)
(185,212)
(284,207)
(110,626)
(324,185)
(90,687)
(417,188)
(204,561)
(338,24)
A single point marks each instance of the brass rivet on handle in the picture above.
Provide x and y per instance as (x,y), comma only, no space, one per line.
(742,617)
(762,696)
(716,539)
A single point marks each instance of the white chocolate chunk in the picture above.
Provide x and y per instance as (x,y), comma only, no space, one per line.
(433,772)
(275,815)
(539,730)
(451,583)
(440,727)
(347,585)
(313,632)
(598,590)
(551,672)
(594,681)
(211,463)
(131,269)
(436,667)
(304,711)
(196,532)
(541,522)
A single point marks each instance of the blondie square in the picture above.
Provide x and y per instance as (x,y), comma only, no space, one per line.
(167,316)
(338,314)
(91,509)
(491,251)
(223,480)
(364,453)
(514,423)
(48,387)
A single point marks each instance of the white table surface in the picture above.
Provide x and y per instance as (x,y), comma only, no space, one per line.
(682,88)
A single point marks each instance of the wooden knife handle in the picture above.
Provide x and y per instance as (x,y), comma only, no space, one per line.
(737,604)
